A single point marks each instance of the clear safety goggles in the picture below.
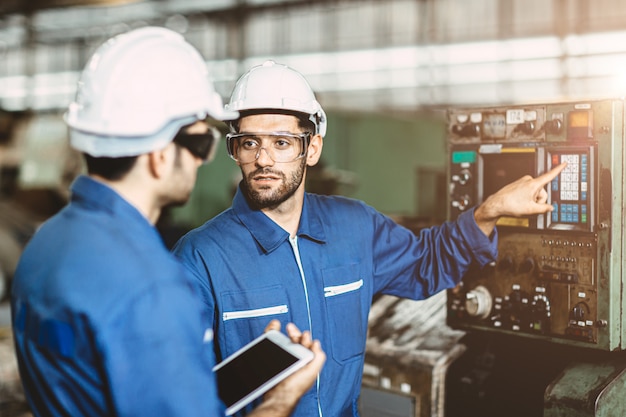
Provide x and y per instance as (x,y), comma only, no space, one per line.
(246,147)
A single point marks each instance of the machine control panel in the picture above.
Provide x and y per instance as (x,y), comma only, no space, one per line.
(558,276)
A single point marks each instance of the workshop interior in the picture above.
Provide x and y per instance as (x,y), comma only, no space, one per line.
(432,105)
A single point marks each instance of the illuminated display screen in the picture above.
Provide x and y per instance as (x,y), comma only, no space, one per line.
(569,190)
(579,119)
(580,125)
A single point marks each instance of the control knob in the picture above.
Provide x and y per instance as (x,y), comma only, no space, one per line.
(578,314)
(506,263)
(527,265)
(462,203)
(478,302)
(470,130)
(526,128)
(540,314)
(553,126)
(463,177)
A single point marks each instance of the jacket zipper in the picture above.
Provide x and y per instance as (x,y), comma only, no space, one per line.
(294,245)
(331,291)
(258,312)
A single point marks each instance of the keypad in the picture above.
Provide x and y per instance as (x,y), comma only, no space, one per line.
(569,189)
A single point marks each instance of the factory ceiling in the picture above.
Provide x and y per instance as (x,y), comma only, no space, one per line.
(26,7)
(31,6)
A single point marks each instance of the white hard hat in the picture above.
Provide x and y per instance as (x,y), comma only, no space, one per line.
(273,86)
(137,90)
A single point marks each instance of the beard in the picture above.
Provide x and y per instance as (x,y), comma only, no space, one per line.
(264,197)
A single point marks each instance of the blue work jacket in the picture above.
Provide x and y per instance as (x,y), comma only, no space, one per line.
(249,271)
(104,319)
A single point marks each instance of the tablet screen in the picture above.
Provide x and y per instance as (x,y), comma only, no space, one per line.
(251,369)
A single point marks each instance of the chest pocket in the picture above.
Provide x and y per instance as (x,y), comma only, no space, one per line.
(245,314)
(344,297)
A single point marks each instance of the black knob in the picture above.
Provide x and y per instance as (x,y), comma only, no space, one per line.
(464,177)
(516,297)
(539,307)
(578,313)
(527,266)
(469,130)
(526,128)
(462,202)
(553,126)
(506,263)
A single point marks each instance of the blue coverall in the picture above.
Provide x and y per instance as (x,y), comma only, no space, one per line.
(104,318)
(250,271)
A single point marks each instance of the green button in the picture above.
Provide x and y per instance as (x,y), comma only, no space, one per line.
(460,157)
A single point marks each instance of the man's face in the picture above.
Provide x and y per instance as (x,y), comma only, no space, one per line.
(185,168)
(267,183)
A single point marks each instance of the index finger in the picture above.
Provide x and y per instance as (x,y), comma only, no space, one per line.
(545,178)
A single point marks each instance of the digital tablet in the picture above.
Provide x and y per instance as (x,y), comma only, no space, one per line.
(257,367)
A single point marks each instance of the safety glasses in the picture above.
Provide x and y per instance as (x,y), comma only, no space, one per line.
(200,145)
(246,147)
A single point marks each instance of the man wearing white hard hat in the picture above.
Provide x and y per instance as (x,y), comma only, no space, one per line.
(104,318)
(281,253)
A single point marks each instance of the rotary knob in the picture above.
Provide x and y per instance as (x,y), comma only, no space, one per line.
(553,126)
(478,302)
(469,130)
(462,203)
(527,265)
(506,263)
(462,177)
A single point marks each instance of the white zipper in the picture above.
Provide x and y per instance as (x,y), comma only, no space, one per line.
(294,245)
(258,312)
(342,289)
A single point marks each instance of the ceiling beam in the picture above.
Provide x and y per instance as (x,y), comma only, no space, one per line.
(30,6)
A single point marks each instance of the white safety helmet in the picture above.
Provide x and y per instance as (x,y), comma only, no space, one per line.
(137,91)
(273,86)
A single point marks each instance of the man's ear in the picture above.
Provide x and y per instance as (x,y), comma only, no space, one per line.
(159,161)
(315,150)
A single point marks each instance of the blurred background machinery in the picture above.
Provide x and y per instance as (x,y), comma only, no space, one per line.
(409,353)
(386,72)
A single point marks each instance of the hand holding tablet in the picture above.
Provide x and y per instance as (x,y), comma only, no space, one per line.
(257,367)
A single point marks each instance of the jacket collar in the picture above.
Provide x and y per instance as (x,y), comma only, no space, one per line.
(96,195)
(270,235)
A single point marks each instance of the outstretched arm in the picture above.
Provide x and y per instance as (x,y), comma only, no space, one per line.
(526,196)
(281,400)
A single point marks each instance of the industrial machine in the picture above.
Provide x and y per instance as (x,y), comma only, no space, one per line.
(558,276)
(556,290)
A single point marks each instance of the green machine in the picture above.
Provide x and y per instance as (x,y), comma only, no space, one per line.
(559,279)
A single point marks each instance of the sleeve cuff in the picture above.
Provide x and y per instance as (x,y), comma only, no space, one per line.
(484,248)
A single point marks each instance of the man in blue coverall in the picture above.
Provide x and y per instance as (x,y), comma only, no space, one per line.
(104,319)
(281,253)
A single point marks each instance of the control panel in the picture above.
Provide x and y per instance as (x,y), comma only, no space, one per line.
(558,276)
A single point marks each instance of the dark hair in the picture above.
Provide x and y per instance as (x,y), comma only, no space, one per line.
(110,168)
(303,119)
(116,168)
